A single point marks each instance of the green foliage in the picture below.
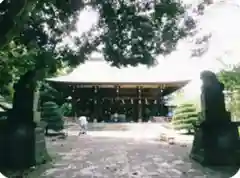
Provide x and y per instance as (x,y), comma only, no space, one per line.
(66,109)
(48,93)
(231,81)
(131,33)
(52,115)
(178,98)
(184,117)
(126,33)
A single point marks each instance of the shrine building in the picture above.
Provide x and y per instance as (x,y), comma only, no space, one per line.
(101,91)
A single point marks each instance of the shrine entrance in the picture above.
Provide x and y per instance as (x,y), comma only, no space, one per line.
(104,92)
(122,102)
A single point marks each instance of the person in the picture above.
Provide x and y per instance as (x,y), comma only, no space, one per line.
(83,124)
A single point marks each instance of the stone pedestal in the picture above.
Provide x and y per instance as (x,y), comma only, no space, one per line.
(21,146)
(216,140)
(26,146)
(41,154)
(215,143)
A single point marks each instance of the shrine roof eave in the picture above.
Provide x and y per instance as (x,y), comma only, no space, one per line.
(102,73)
(179,83)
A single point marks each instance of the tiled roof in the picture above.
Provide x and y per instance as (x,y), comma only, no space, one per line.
(102,72)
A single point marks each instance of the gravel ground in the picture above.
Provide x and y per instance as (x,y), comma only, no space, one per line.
(95,157)
(132,153)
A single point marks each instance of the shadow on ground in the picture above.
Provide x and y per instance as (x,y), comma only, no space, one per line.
(85,157)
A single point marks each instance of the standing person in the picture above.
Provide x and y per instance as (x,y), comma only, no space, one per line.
(83,124)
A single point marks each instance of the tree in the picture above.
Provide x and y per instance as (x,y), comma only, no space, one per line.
(127,33)
(67,109)
(184,117)
(130,32)
(231,81)
(230,78)
(48,93)
(52,115)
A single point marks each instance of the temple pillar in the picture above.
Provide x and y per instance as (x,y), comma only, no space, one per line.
(132,109)
(117,105)
(74,102)
(155,107)
(139,103)
(96,103)
(160,102)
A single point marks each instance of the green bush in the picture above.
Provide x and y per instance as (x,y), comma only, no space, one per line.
(52,115)
(184,116)
(66,109)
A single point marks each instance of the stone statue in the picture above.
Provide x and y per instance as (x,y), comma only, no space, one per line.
(23,98)
(22,130)
(21,126)
(216,136)
(212,97)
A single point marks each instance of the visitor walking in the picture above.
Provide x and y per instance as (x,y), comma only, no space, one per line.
(83,124)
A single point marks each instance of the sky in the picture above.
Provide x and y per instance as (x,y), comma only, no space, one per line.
(219,21)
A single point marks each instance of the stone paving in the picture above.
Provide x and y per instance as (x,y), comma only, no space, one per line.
(94,157)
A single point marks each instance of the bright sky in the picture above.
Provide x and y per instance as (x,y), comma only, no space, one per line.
(219,20)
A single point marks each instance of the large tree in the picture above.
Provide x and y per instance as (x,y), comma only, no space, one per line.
(130,32)
(127,33)
(231,81)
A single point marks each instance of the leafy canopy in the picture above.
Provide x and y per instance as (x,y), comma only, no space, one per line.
(128,32)
(230,79)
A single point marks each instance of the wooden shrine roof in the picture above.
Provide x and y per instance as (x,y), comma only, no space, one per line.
(100,72)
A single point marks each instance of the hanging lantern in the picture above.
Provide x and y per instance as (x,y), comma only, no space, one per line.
(139,101)
(131,101)
(155,101)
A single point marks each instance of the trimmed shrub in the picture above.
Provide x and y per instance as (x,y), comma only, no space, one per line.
(184,117)
(52,115)
(66,109)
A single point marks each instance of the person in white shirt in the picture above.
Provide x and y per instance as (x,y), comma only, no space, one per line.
(83,124)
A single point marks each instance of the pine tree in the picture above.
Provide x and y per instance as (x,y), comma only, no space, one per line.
(52,115)
(184,117)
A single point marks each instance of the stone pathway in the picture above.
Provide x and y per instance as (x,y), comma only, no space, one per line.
(136,131)
(95,157)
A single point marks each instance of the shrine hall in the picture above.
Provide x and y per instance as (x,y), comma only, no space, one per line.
(101,91)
